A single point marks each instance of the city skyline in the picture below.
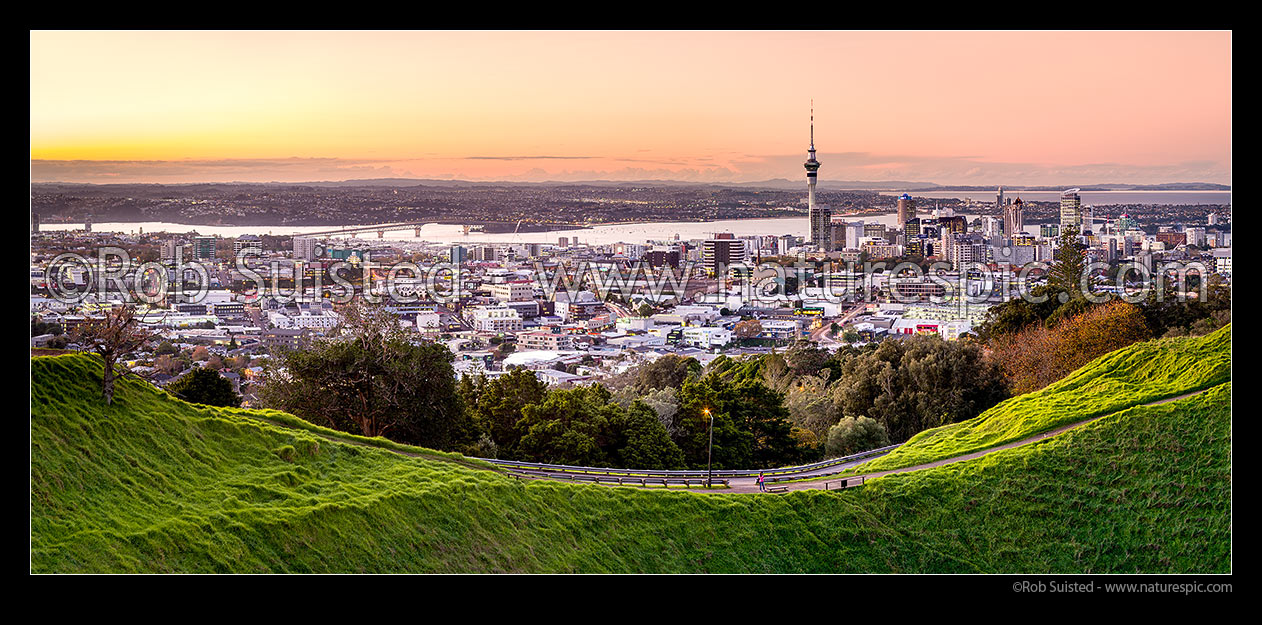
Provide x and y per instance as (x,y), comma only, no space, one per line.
(941,107)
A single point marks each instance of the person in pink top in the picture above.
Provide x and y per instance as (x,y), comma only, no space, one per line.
(762,484)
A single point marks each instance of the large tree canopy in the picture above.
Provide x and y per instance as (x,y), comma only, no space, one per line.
(203,385)
(373,377)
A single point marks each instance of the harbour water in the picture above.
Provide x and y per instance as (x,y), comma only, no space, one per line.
(658,231)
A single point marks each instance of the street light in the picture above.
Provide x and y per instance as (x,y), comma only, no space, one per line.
(709,475)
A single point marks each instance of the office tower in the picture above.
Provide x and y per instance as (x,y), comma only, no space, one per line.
(784,242)
(204,248)
(1071,209)
(999,199)
(906,210)
(1014,218)
(304,248)
(721,252)
(820,216)
(457,255)
(991,227)
(912,228)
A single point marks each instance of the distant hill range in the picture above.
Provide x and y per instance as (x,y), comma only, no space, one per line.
(776,183)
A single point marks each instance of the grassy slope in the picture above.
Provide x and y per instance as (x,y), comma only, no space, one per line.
(1138,374)
(155,484)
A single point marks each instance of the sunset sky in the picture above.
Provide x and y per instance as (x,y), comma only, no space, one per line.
(1013,108)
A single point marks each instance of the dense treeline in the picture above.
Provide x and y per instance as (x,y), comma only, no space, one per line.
(377,379)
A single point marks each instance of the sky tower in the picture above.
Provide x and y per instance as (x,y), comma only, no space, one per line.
(819,216)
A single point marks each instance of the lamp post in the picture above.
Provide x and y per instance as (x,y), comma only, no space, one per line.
(709,454)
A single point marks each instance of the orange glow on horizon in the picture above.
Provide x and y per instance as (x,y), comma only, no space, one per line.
(712,105)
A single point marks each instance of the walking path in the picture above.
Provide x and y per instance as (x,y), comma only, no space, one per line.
(750,485)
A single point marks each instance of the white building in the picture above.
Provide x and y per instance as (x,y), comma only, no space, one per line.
(706,337)
(495,319)
(512,291)
(1222,260)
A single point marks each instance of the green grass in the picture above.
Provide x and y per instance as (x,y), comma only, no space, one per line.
(1138,374)
(153,484)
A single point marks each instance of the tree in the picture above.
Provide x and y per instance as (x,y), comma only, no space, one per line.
(497,405)
(918,383)
(810,405)
(642,441)
(1040,355)
(570,426)
(1066,273)
(200,353)
(851,436)
(751,424)
(748,329)
(374,377)
(167,365)
(205,386)
(113,337)
(669,370)
(663,401)
(584,426)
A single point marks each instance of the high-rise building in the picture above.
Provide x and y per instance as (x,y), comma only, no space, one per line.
(906,210)
(965,248)
(34,222)
(721,253)
(305,248)
(786,241)
(457,255)
(948,227)
(999,200)
(1196,236)
(911,228)
(991,227)
(1071,209)
(247,241)
(1014,218)
(204,248)
(820,216)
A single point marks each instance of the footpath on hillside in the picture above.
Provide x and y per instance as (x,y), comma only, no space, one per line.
(750,485)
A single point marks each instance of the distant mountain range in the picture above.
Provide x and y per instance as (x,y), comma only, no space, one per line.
(775,183)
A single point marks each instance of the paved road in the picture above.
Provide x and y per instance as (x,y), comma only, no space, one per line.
(820,335)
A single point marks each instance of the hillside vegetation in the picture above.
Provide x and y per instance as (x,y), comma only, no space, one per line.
(1139,374)
(154,484)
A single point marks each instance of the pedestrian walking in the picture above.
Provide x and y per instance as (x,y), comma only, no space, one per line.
(762,484)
